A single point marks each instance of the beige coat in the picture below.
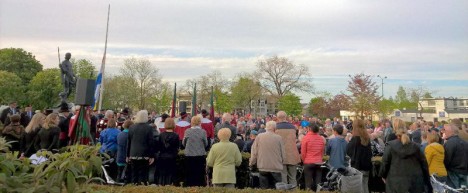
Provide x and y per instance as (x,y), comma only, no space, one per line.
(268,152)
(287,131)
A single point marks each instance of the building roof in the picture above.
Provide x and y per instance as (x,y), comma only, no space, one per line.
(409,111)
(463,111)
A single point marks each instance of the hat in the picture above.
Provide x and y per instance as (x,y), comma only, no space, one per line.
(183,115)
(254,132)
(64,108)
(434,129)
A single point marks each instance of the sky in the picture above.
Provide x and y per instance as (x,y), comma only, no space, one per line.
(417,43)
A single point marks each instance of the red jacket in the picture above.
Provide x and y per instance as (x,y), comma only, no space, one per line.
(208,126)
(180,128)
(312,148)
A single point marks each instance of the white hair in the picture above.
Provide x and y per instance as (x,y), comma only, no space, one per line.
(109,113)
(281,115)
(227,117)
(271,126)
(141,116)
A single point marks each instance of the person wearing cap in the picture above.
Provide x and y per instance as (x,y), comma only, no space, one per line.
(13,132)
(182,125)
(64,123)
(208,126)
(248,145)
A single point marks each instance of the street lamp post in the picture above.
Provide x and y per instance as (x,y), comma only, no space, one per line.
(382,78)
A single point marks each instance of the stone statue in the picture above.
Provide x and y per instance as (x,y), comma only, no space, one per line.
(68,78)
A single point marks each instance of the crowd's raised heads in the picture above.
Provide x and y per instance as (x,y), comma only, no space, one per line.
(51,121)
(196,121)
(271,126)
(169,124)
(224,134)
(281,115)
(36,121)
(109,114)
(141,116)
(227,117)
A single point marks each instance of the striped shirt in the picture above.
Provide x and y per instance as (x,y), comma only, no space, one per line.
(195,141)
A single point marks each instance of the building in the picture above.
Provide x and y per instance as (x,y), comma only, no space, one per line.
(436,109)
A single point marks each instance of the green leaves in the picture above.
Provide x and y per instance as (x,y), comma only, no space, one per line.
(291,104)
(19,62)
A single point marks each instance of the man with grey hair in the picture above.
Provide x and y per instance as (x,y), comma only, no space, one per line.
(268,154)
(287,131)
(102,124)
(456,157)
(226,123)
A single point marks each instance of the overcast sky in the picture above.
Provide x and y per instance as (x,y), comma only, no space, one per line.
(414,43)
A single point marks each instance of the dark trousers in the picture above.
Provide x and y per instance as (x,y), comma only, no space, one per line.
(195,171)
(124,177)
(140,170)
(166,171)
(312,176)
(268,180)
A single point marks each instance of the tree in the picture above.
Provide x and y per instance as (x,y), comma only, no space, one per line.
(386,106)
(44,88)
(162,100)
(279,76)
(243,90)
(291,104)
(84,68)
(318,106)
(401,96)
(416,95)
(120,92)
(222,101)
(145,75)
(11,87)
(204,83)
(20,62)
(402,101)
(364,95)
(339,102)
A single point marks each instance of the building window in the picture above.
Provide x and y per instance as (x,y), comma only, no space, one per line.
(431,103)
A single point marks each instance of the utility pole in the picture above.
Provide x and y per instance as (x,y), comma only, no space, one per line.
(382,78)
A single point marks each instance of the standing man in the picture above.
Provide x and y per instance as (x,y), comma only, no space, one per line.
(8,112)
(416,133)
(68,78)
(207,125)
(456,157)
(182,125)
(268,154)
(26,116)
(226,124)
(287,131)
(64,123)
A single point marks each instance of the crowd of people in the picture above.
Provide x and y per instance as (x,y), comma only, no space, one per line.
(146,145)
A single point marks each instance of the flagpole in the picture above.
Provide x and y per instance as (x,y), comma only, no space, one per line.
(104,61)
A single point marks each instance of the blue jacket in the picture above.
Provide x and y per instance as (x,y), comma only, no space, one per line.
(122,139)
(336,149)
(108,139)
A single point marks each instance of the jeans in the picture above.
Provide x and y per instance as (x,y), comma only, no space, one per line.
(456,180)
(365,181)
(312,176)
(268,180)
(224,185)
(289,174)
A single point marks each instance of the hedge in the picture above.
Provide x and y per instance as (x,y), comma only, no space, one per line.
(173,189)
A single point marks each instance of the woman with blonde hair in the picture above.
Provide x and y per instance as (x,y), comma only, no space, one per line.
(397,124)
(404,167)
(435,153)
(48,136)
(29,136)
(168,149)
(360,151)
(195,143)
(224,157)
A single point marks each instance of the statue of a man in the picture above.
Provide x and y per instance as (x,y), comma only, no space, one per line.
(68,78)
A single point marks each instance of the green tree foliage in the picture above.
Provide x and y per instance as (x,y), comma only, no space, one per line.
(291,104)
(363,95)
(318,106)
(11,87)
(119,92)
(222,101)
(243,90)
(84,68)
(20,62)
(44,88)
(386,106)
(162,100)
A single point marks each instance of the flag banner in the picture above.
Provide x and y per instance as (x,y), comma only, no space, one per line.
(194,100)
(212,113)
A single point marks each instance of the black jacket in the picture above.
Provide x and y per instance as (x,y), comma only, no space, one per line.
(405,168)
(226,125)
(416,136)
(48,139)
(456,155)
(168,145)
(140,142)
(27,142)
(361,156)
